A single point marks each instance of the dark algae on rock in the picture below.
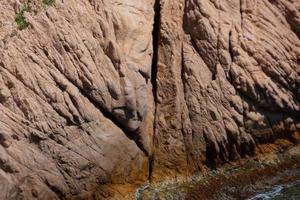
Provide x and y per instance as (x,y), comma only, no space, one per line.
(270,176)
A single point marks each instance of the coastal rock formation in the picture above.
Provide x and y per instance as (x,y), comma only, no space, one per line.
(74,87)
(227,81)
(99,96)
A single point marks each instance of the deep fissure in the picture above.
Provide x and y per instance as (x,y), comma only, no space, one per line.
(155,40)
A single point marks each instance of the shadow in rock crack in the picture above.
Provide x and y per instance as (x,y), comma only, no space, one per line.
(155,46)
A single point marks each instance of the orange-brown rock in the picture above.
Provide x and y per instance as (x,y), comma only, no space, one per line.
(74,87)
(102,95)
(227,80)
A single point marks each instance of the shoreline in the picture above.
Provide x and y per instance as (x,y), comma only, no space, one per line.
(267,168)
(270,160)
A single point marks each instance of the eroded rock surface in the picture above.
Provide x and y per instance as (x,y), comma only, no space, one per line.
(234,68)
(74,95)
(99,94)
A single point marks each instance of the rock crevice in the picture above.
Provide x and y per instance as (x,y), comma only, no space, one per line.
(97,97)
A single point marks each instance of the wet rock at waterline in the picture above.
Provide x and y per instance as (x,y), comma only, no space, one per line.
(273,176)
(99,96)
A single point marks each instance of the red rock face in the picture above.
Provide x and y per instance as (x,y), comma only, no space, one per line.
(97,94)
(73,89)
(235,81)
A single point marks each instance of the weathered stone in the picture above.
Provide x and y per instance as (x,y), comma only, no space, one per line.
(96,96)
(228,76)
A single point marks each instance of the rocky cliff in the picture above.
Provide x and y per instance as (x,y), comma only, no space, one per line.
(99,96)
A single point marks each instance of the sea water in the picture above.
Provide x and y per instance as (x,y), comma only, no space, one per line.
(289,191)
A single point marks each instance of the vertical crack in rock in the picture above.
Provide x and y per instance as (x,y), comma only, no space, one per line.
(232,56)
(155,40)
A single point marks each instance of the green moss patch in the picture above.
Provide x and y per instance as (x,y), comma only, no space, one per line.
(20,19)
(48,2)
